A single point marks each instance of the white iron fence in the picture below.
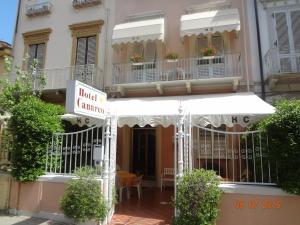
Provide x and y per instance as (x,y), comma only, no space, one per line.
(228,65)
(276,63)
(71,151)
(235,156)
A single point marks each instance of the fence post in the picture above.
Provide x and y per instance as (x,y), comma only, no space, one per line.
(106,158)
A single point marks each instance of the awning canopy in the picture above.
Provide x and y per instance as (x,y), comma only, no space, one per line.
(229,109)
(210,22)
(139,31)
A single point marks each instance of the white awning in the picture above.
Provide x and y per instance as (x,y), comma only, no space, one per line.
(210,22)
(82,121)
(139,31)
(217,109)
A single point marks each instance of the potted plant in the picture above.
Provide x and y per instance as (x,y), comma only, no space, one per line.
(172,57)
(83,200)
(136,59)
(209,51)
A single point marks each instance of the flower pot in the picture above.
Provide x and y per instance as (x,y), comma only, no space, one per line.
(172,60)
(137,63)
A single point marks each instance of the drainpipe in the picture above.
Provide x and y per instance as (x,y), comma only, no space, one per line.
(263,92)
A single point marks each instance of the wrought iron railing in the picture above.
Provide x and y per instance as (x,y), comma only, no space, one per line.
(71,151)
(235,156)
(228,65)
(84,3)
(277,63)
(38,8)
(57,78)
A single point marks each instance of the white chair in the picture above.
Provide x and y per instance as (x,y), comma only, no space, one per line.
(120,188)
(167,175)
(138,185)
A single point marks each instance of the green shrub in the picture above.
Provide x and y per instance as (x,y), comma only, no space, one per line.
(283,130)
(198,197)
(83,200)
(32,124)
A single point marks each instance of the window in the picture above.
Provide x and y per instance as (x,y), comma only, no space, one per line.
(209,40)
(36,51)
(85,42)
(35,43)
(287,27)
(145,49)
(86,50)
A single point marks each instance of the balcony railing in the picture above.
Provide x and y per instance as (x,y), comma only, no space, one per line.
(38,9)
(85,3)
(57,78)
(228,65)
(276,63)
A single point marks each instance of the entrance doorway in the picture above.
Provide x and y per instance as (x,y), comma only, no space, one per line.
(144,152)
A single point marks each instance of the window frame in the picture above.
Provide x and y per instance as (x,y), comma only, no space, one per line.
(35,37)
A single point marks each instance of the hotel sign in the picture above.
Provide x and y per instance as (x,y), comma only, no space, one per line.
(85,100)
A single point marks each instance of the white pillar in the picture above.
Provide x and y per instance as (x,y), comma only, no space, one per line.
(180,142)
(106,159)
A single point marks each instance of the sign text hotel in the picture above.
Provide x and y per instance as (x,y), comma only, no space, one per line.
(85,100)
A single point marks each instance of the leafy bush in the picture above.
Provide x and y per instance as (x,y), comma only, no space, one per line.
(83,200)
(283,130)
(12,93)
(197,199)
(172,56)
(32,124)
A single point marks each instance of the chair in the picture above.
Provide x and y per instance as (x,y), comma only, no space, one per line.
(167,175)
(120,188)
(137,183)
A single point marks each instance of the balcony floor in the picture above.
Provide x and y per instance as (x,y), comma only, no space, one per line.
(154,208)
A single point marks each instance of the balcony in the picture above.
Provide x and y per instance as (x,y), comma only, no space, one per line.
(38,9)
(56,79)
(186,72)
(282,70)
(85,3)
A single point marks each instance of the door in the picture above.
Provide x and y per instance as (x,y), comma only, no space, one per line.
(143,152)
(287,25)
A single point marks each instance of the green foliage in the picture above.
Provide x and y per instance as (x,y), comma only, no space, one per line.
(83,200)
(32,124)
(198,197)
(283,129)
(172,56)
(27,83)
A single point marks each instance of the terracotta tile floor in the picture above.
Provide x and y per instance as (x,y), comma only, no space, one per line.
(154,208)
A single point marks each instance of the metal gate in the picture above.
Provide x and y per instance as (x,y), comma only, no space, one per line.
(71,151)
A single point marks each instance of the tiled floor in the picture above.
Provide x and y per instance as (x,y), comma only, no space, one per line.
(155,208)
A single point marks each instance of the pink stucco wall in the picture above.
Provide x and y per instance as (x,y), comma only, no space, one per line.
(37,196)
(246,209)
(173,10)
(235,209)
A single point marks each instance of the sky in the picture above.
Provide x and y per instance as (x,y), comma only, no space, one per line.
(8,15)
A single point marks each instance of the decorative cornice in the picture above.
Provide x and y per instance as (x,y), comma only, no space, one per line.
(37,36)
(86,28)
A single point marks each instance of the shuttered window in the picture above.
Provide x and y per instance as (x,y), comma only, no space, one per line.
(295,22)
(282,32)
(217,42)
(201,43)
(86,50)
(287,25)
(36,51)
(145,49)
(213,40)
(150,53)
